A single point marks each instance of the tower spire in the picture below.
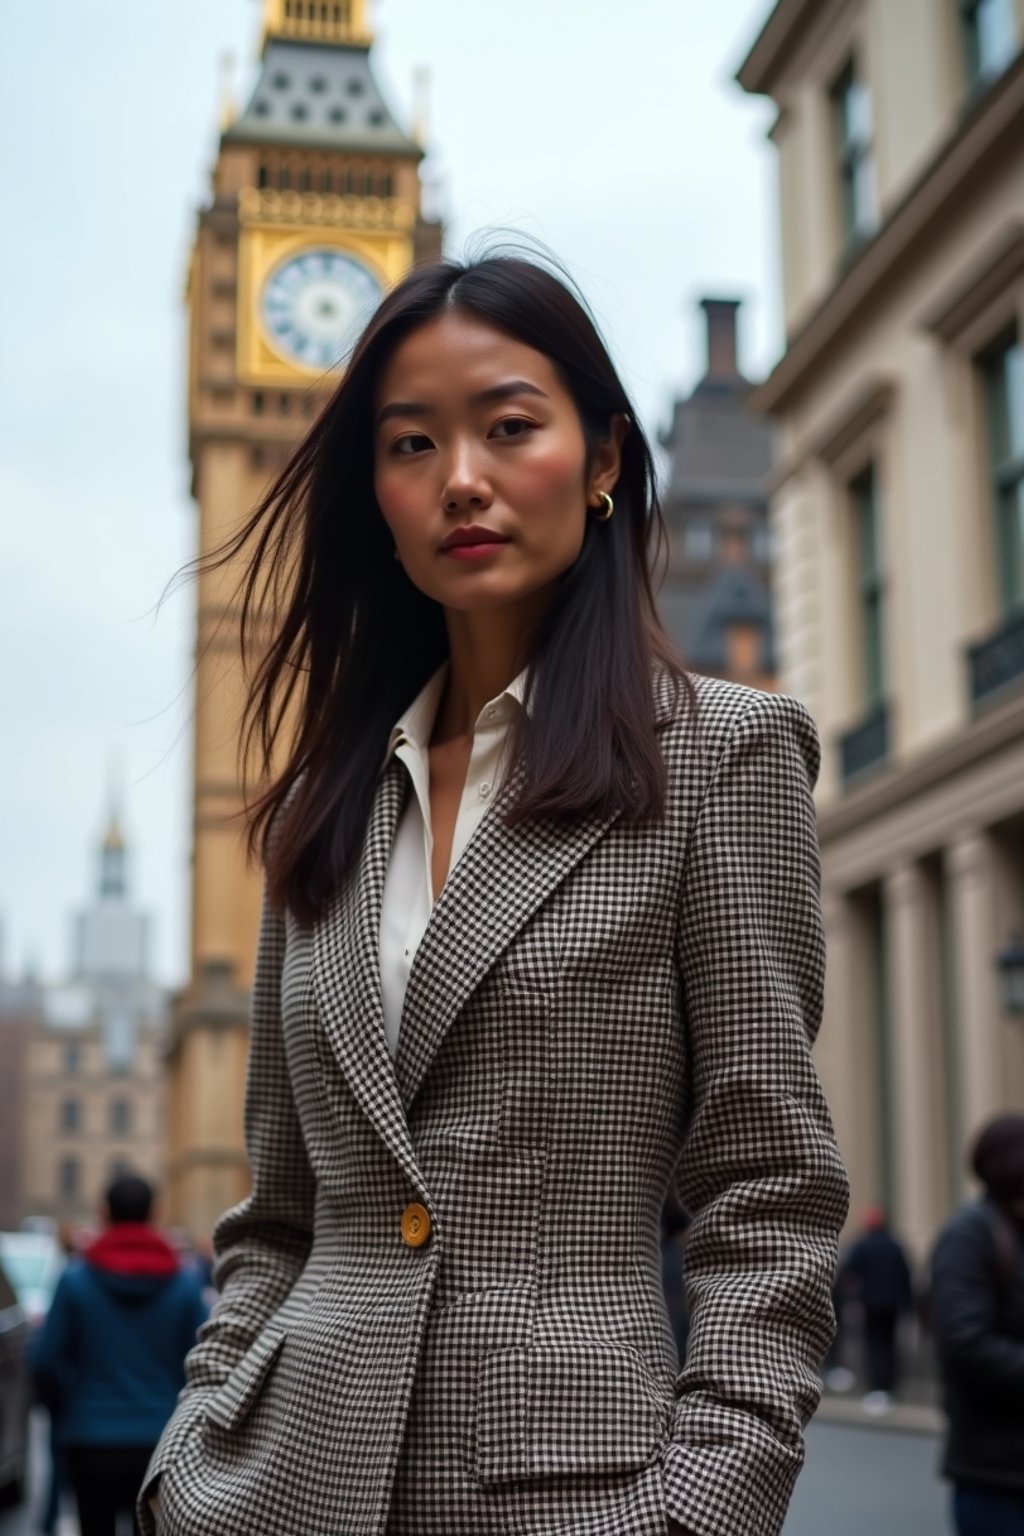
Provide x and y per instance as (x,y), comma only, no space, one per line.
(318,21)
(113,880)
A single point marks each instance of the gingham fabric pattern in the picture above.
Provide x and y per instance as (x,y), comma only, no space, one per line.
(596,1013)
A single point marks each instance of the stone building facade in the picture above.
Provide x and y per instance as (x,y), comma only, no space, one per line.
(898,521)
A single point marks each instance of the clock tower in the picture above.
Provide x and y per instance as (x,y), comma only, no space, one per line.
(315,210)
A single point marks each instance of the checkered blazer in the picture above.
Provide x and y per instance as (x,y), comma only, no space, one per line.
(596,1013)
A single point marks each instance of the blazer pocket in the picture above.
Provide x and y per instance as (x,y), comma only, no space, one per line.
(571,1408)
(228,1406)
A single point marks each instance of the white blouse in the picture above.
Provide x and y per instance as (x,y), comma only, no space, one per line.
(408,895)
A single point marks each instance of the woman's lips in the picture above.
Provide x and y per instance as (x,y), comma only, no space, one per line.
(472,543)
(475,551)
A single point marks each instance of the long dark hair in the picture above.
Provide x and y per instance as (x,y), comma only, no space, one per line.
(337,641)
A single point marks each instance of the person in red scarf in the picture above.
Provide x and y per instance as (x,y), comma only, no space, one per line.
(111,1354)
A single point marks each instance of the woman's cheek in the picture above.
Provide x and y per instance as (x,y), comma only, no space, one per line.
(549,496)
(400,506)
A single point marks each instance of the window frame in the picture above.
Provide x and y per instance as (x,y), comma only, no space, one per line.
(1004,461)
(69,1117)
(978,71)
(866,507)
(853,152)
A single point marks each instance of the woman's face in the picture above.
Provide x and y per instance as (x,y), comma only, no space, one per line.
(480,465)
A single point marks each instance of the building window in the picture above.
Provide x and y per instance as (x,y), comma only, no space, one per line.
(988,35)
(68,1178)
(1002,372)
(263,175)
(120,1117)
(865,501)
(761,543)
(851,117)
(72,1059)
(70,1116)
(699,542)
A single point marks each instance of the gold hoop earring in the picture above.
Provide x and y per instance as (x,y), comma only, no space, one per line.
(607,505)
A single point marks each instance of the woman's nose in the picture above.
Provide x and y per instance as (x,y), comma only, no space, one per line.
(466,485)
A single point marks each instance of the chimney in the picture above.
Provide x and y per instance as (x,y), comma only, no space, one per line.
(721,320)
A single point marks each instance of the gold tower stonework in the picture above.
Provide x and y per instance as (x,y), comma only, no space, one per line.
(315,211)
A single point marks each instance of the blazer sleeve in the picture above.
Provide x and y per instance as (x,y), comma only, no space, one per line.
(262,1244)
(760,1168)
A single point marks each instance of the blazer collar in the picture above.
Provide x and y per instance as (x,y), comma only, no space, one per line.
(346,977)
(504,875)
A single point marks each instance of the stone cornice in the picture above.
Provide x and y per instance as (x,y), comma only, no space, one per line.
(857,414)
(966,298)
(759,70)
(946,182)
(992,730)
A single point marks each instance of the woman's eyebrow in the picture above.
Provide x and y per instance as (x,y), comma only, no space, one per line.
(488,396)
(506,392)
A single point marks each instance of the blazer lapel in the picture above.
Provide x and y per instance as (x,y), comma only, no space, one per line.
(503,876)
(346,976)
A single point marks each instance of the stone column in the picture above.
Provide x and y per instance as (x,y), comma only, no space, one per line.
(969,870)
(837,1050)
(918,1119)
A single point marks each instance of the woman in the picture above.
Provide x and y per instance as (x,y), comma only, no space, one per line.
(542,938)
(977,1317)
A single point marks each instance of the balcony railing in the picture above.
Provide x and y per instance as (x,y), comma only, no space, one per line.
(996,663)
(866,746)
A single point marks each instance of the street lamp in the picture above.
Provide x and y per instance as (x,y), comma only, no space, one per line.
(1010,965)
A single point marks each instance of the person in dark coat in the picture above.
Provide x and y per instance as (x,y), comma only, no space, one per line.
(111,1354)
(977,1313)
(877,1273)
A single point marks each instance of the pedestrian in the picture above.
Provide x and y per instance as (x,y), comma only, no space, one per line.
(542,939)
(876,1272)
(977,1315)
(111,1354)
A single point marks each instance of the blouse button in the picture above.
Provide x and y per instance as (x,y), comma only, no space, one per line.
(485,790)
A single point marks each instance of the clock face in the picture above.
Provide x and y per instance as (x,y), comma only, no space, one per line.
(315,304)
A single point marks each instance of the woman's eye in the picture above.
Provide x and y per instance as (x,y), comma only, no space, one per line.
(512,426)
(412,442)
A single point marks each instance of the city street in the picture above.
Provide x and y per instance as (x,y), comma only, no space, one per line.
(856,1480)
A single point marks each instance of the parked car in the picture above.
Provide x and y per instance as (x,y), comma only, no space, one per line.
(33,1262)
(15,1394)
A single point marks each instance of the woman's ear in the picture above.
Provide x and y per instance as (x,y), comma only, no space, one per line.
(607,459)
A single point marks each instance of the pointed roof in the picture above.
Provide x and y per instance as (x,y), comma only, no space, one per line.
(319,96)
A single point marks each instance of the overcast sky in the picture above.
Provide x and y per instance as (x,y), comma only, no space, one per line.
(610,130)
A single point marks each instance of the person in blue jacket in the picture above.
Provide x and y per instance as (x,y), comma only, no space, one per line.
(111,1354)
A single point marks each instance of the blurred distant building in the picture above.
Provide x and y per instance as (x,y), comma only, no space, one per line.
(898,522)
(88,1075)
(20,1005)
(315,208)
(716,596)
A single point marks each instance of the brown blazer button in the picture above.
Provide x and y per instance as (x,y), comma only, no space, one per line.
(415,1225)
